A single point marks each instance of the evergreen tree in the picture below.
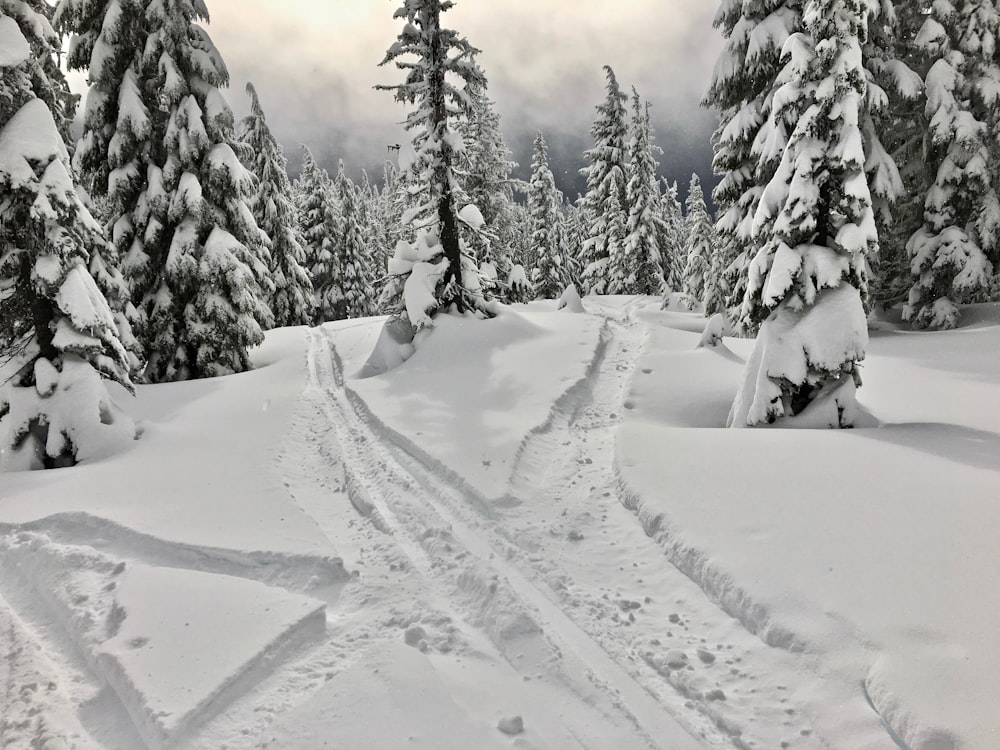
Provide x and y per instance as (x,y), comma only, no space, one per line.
(158,140)
(441,73)
(58,337)
(643,270)
(488,182)
(806,284)
(700,243)
(548,275)
(313,193)
(951,252)
(607,168)
(672,238)
(615,231)
(357,299)
(274,211)
(754,122)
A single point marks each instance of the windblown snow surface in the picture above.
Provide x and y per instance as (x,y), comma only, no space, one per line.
(534,533)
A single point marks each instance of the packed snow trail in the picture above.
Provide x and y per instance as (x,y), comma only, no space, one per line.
(430,522)
(568,540)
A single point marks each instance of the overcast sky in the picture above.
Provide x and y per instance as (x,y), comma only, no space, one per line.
(314,63)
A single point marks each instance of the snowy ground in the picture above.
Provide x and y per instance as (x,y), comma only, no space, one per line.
(534,524)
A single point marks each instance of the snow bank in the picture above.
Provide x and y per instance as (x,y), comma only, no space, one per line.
(475,389)
(874,548)
(208,455)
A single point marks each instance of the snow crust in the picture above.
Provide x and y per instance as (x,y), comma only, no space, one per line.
(14,48)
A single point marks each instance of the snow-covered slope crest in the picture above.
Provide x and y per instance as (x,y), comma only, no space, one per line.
(475,390)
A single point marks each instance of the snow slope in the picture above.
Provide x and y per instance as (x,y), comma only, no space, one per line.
(873,550)
(535,523)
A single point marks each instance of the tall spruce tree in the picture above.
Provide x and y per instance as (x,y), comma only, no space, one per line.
(274,211)
(58,337)
(158,140)
(672,238)
(605,231)
(807,282)
(357,298)
(548,276)
(951,252)
(643,270)
(434,273)
(754,123)
(700,244)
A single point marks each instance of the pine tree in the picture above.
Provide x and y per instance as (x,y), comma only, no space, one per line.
(807,282)
(643,271)
(434,273)
(547,276)
(357,297)
(607,167)
(313,193)
(274,212)
(58,337)
(950,254)
(700,243)
(754,122)
(158,140)
(672,238)
(488,182)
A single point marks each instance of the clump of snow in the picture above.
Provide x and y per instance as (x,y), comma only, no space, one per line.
(714,331)
(14,48)
(511,725)
(393,347)
(570,300)
(472,217)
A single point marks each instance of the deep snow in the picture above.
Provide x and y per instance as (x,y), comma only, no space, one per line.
(537,516)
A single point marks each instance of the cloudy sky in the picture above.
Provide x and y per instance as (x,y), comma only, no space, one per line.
(315,63)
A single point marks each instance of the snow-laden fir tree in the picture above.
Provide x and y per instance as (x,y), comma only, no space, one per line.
(643,267)
(672,238)
(548,276)
(754,123)
(357,299)
(700,243)
(58,337)
(807,282)
(896,131)
(433,273)
(313,194)
(951,253)
(607,168)
(488,182)
(274,212)
(158,140)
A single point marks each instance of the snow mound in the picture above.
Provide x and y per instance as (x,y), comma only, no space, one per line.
(504,376)
(570,300)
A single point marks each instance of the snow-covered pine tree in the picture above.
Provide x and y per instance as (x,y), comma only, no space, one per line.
(951,253)
(158,140)
(643,270)
(807,282)
(433,273)
(607,166)
(700,243)
(58,337)
(672,238)
(313,193)
(615,232)
(274,211)
(754,123)
(488,182)
(357,299)
(548,275)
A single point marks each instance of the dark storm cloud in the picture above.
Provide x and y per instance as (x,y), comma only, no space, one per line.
(315,66)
